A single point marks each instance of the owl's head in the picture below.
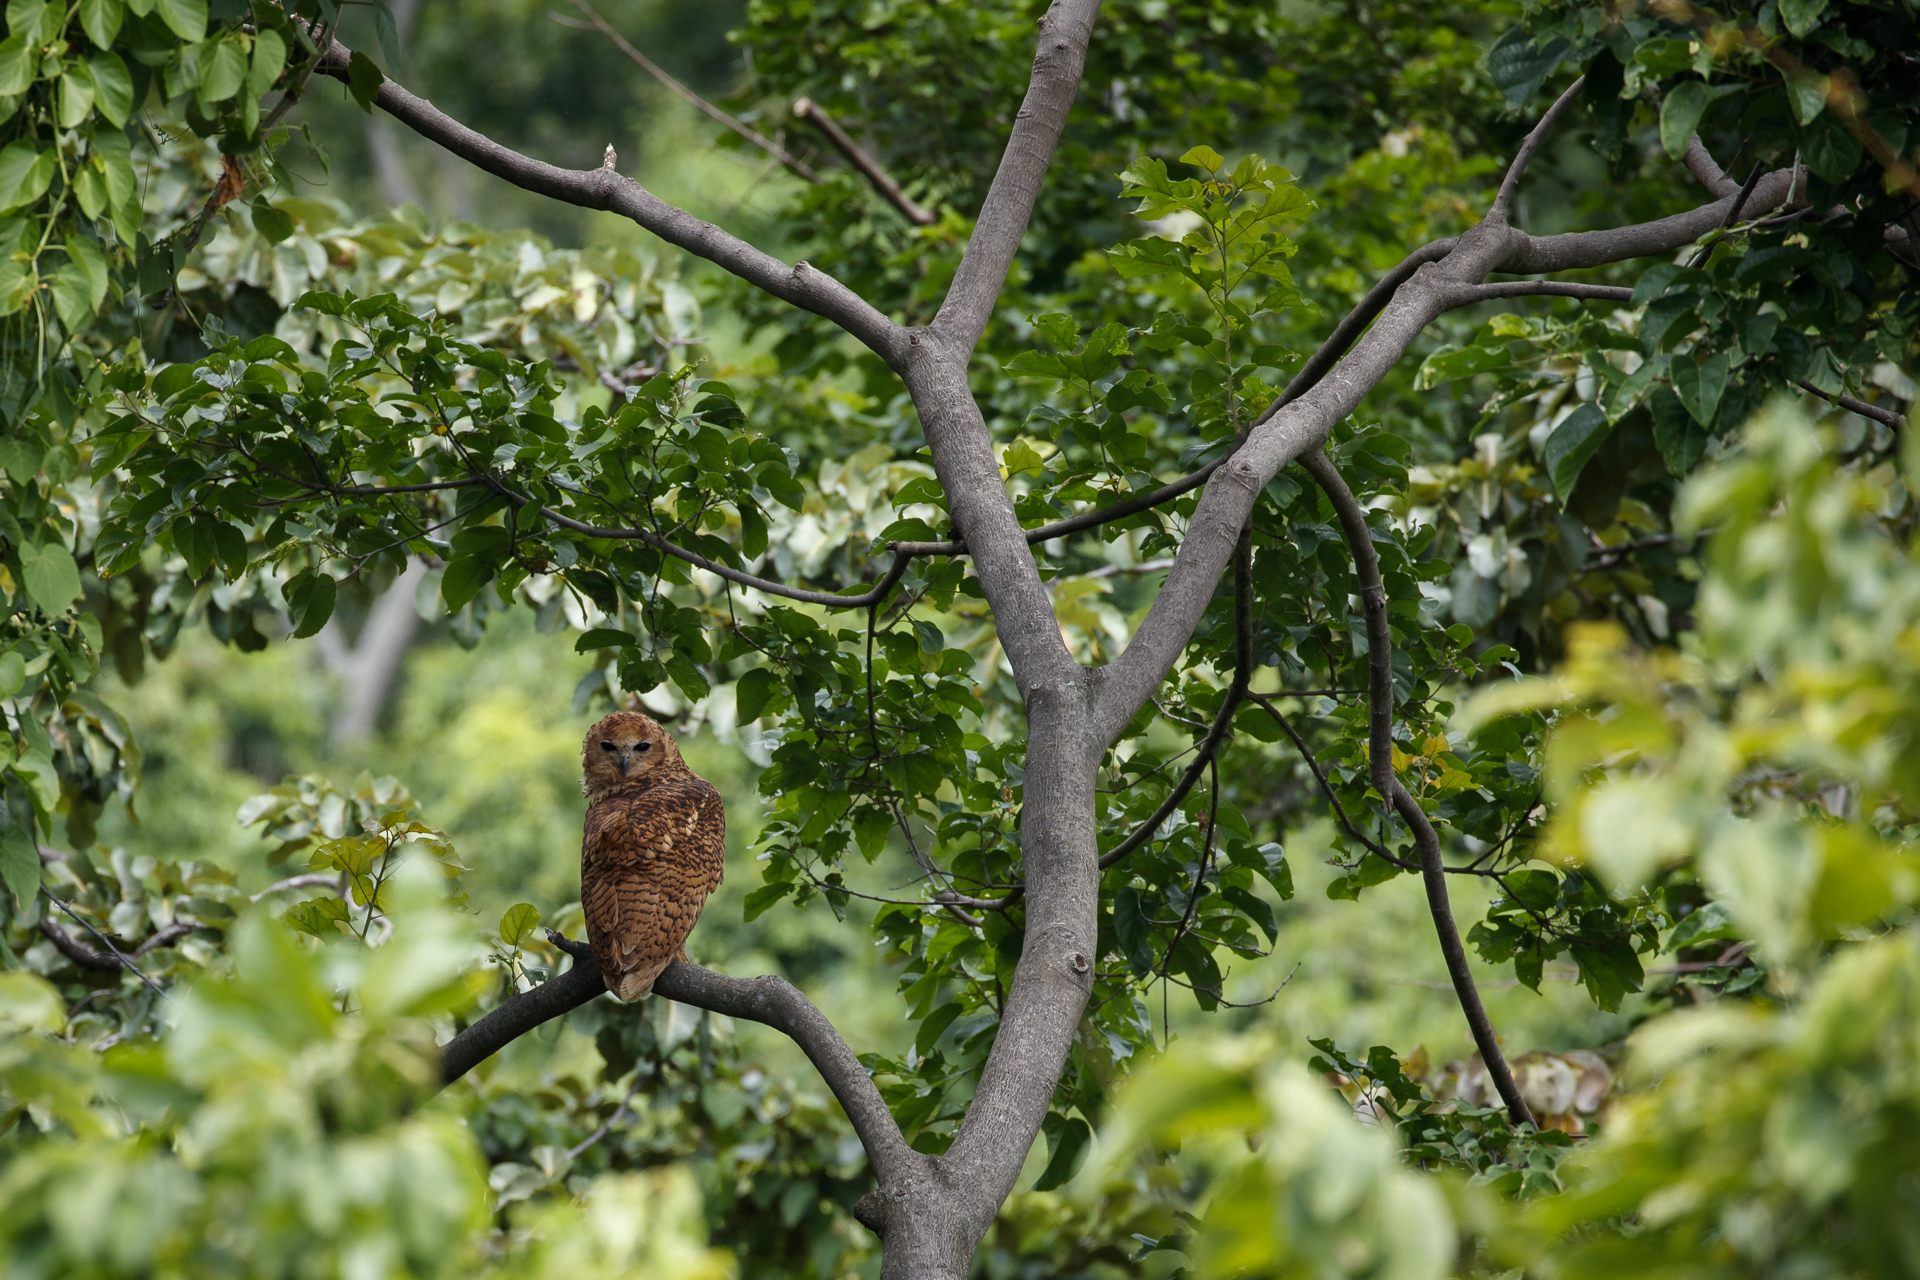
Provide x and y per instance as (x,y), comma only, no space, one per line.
(623,749)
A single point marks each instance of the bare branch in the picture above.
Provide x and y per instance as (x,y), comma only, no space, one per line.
(1511,183)
(771,1001)
(877,178)
(1064,31)
(1373,600)
(122,958)
(1853,405)
(801,285)
(699,103)
(1733,214)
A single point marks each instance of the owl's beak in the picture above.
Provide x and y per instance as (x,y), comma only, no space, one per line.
(626,758)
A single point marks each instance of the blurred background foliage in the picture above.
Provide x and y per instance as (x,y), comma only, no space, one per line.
(1716,711)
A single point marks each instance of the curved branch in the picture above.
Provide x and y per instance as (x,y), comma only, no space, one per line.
(603,188)
(771,1001)
(1511,183)
(1373,599)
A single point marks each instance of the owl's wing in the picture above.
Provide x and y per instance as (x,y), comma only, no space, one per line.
(647,864)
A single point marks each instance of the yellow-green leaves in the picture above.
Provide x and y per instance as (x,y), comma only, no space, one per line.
(1298,1187)
(519,922)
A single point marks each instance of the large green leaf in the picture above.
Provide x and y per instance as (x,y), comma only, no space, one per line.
(185,18)
(1572,443)
(25,172)
(51,577)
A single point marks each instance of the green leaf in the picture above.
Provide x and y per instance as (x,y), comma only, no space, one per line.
(101,20)
(602,638)
(760,900)
(1700,384)
(1572,443)
(751,693)
(19,62)
(310,596)
(1829,148)
(1518,66)
(364,79)
(1681,440)
(463,579)
(71,298)
(112,88)
(1068,1149)
(185,18)
(1680,115)
(75,97)
(519,921)
(50,575)
(1800,15)
(223,69)
(269,58)
(1204,158)
(753,531)
(13,674)
(20,864)
(24,174)
(320,917)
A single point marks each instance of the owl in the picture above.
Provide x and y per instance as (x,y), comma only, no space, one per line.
(653,850)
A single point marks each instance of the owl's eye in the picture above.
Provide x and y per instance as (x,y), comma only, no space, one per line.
(645,746)
(606,746)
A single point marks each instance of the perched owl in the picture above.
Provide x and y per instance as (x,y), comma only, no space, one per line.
(654,849)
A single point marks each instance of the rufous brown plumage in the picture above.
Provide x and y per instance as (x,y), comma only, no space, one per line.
(654,848)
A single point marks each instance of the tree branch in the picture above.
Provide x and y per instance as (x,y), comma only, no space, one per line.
(877,178)
(1124,684)
(1061,53)
(771,1001)
(1511,183)
(1853,405)
(698,103)
(1373,599)
(603,188)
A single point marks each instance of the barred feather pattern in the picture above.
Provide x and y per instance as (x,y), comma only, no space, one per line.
(653,851)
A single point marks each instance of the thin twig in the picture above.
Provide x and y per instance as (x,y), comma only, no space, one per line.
(1852,405)
(1733,215)
(606,1126)
(108,943)
(889,190)
(699,103)
(1511,183)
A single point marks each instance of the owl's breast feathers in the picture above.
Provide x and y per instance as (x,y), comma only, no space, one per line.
(651,854)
